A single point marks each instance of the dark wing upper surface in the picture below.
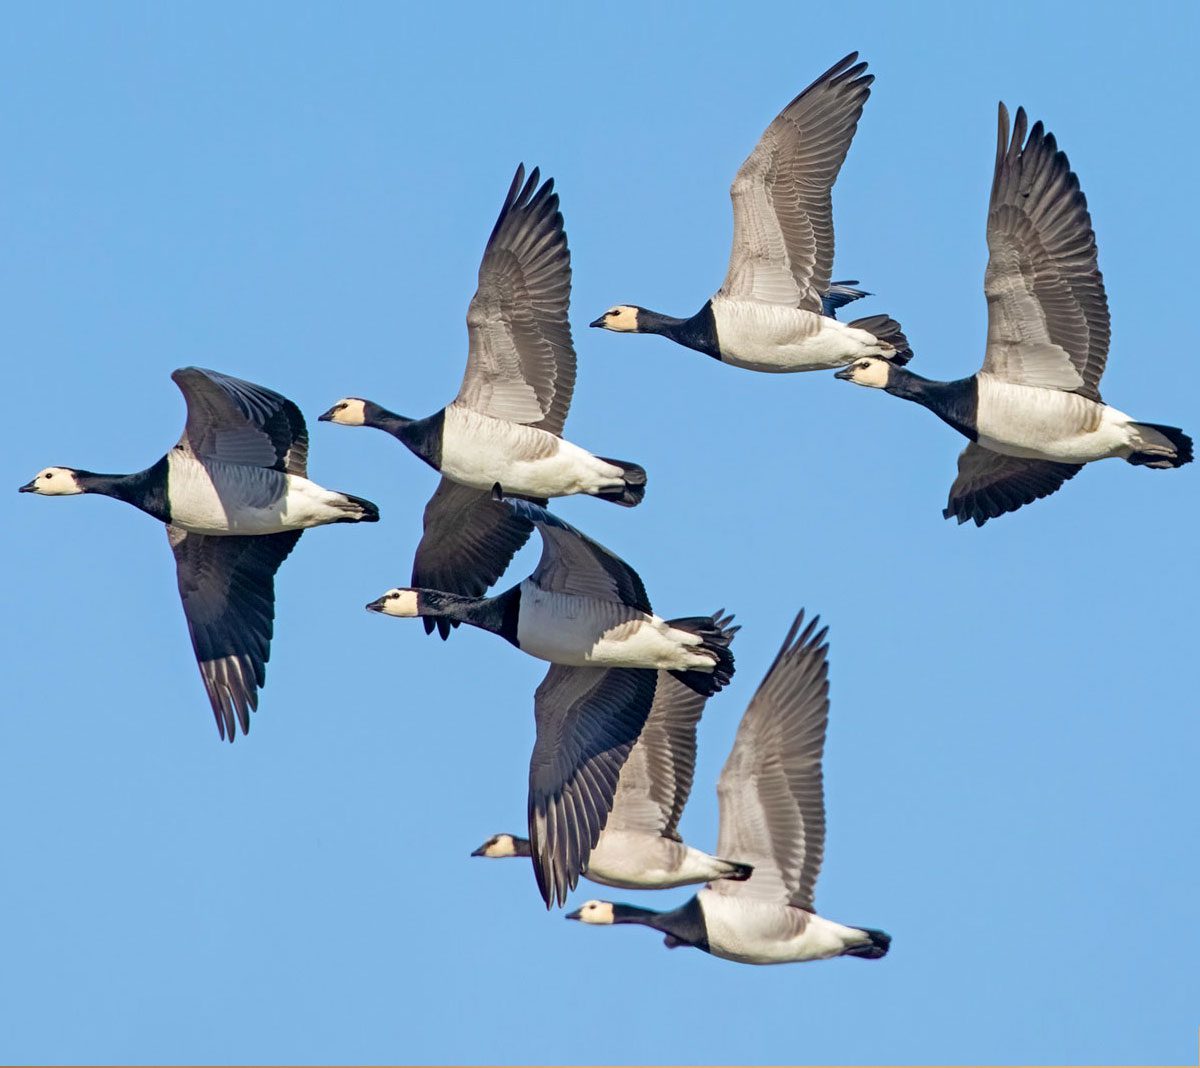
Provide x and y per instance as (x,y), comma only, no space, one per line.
(238,422)
(771,790)
(782,210)
(1048,322)
(588,719)
(990,484)
(227,585)
(574,564)
(469,541)
(521,362)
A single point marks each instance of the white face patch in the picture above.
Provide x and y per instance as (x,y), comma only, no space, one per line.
(400,603)
(501,846)
(868,371)
(56,482)
(349,411)
(598,912)
(623,319)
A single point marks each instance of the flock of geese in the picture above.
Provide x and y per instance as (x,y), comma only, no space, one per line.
(617,711)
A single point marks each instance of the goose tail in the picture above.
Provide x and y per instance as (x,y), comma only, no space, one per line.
(632,490)
(1155,445)
(715,634)
(889,334)
(358,510)
(877,947)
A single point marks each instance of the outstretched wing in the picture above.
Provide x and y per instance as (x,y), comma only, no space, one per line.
(771,790)
(238,422)
(588,719)
(521,362)
(657,778)
(574,564)
(989,484)
(1048,321)
(227,585)
(782,211)
(469,541)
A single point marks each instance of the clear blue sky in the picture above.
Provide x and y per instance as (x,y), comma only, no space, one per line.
(299,195)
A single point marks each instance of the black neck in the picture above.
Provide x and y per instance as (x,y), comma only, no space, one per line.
(146,490)
(699,332)
(422,436)
(683,926)
(496,614)
(954,402)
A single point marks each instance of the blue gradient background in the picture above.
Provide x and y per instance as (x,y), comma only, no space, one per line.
(299,195)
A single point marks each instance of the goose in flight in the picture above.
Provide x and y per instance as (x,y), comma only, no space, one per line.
(587,612)
(771,795)
(774,311)
(235,498)
(640,847)
(1033,414)
(505,426)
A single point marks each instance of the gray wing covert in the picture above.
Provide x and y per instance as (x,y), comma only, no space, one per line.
(771,790)
(521,360)
(782,208)
(1048,321)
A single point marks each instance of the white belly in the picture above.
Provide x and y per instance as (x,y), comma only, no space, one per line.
(775,338)
(632,860)
(759,932)
(480,451)
(584,632)
(1048,424)
(219,498)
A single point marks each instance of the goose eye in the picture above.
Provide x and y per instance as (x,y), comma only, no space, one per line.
(393,596)
(48,477)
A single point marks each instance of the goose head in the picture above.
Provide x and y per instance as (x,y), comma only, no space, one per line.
(596,912)
(503,845)
(402,603)
(54,482)
(621,318)
(349,411)
(869,371)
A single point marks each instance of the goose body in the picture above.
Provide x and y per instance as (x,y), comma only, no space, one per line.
(582,631)
(775,310)
(777,339)
(773,821)
(505,426)
(533,462)
(586,611)
(1033,414)
(217,498)
(235,497)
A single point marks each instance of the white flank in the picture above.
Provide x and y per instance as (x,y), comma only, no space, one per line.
(480,451)
(759,932)
(1047,424)
(583,632)
(220,498)
(775,338)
